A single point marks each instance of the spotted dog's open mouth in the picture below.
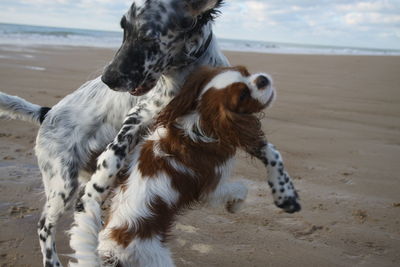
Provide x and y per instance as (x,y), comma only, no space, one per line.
(139,91)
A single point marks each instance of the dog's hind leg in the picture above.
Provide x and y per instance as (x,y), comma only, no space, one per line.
(60,193)
(150,252)
(138,223)
(230,194)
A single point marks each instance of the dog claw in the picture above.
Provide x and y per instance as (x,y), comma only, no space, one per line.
(290,205)
(79,207)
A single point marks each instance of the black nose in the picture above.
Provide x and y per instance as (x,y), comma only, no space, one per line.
(262,82)
(111,78)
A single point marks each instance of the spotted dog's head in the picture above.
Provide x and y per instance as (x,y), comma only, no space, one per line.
(220,103)
(159,35)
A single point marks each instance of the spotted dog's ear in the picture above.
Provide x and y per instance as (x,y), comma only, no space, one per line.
(198,7)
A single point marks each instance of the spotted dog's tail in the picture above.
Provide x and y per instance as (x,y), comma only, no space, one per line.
(84,236)
(14,107)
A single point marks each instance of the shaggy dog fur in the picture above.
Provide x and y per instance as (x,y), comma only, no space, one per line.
(186,160)
(164,40)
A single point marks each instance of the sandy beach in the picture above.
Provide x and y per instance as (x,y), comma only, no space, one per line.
(336,122)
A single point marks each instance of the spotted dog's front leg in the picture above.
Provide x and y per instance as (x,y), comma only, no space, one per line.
(112,160)
(284,193)
(109,163)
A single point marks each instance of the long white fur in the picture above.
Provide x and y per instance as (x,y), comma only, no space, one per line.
(14,107)
(226,191)
(86,228)
(129,205)
(224,79)
(127,209)
(190,124)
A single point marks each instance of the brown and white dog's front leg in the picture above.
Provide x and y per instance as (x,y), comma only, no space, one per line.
(283,190)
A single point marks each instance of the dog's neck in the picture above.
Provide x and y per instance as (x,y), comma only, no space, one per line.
(207,53)
(170,83)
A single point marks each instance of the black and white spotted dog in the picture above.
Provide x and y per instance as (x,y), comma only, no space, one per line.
(164,40)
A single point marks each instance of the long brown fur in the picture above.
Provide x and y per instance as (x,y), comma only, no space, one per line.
(223,118)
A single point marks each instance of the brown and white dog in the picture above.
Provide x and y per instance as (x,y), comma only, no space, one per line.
(186,160)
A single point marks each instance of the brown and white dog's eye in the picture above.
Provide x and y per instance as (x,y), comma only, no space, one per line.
(244,94)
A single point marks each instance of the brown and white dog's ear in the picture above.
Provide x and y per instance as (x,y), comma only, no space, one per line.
(186,101)
(198,7)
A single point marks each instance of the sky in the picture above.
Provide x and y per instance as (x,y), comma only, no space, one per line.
(355,23)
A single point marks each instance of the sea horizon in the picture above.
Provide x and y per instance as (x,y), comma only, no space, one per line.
(25,35)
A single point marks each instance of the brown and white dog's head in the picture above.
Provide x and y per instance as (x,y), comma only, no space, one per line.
(220,103)
(236,90)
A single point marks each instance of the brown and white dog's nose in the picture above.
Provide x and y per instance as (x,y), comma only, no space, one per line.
(262,82)
(262,88)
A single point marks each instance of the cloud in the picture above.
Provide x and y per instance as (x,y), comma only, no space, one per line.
(367,6)
(371,18)
(339,22)
(41,2)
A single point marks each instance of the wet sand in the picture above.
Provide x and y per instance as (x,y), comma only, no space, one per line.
(336,121)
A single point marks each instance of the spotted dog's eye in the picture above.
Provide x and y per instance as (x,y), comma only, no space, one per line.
(150,37)
(187,23)
(245,93)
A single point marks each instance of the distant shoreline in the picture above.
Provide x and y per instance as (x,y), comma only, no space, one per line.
(26,35)
(66,47)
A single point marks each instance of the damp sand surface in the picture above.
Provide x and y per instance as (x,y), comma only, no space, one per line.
(336,121)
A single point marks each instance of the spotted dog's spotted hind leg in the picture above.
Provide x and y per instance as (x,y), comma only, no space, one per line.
(60,195)
(283,190)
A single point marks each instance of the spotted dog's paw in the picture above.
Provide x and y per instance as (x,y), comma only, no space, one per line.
(79,207)
(81,203)
(285,195)
(283,190)
(289,204)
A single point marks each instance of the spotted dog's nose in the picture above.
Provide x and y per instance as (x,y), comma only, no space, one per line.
(111,78)
(262,82)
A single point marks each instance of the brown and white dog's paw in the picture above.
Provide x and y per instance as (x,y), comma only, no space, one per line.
(234,206)
(238,196)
